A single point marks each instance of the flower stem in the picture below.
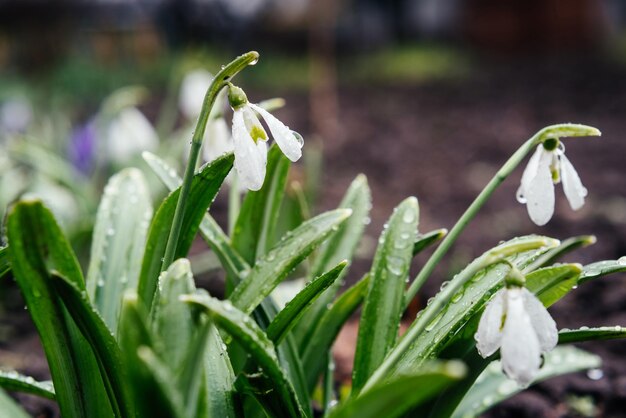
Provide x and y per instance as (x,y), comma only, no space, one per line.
(554,131)
(219,82)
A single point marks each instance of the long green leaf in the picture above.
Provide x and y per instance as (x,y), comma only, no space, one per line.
(204,188)
(427,239)
(552,283)
(210,231)
(239,325)
(566,246)
(287,318)
(37,247)
(9,408)
(383,305)
(118,242)
(17,382)
(341,246)
(492,386)
(567,336)
(102,342)
(294,247)
(398,395)
(254,228)
(602,268)
(5,265)
(327,329)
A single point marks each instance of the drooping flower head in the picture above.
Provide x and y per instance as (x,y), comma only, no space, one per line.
(518,324)
(250,139)
(549,166)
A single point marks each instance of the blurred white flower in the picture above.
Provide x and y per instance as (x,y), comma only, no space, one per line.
(517,323)
(15,115)
(546,168)
(193,88)
(217,140)
(250,139)
(129,134)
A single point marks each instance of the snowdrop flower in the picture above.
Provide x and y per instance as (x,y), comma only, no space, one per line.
(129,134)
(548,166)
(193,88)
(517,323)
(250,139)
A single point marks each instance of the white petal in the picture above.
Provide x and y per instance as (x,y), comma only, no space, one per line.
(572,186)
(540,191)
(217,140)
(520,351)
(542,322)
(489,334)
(193,88)
(290,146)
(529,172)
(250,157)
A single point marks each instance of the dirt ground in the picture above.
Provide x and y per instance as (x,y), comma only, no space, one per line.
(442,141)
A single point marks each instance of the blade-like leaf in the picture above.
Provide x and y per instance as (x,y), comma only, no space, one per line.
(9,408)
(118,242)
(5,266)
(254,228)
(423,241)
(566,246)
(567,336)
(383,305)
(552,283)
(17,382)
(327,329)
(341,246)
(204,188)
(239,325)
(37,247)
(234,264)
(602,268)
(492,386)
(398,395)
(294,247)
(102,342)
(287,318)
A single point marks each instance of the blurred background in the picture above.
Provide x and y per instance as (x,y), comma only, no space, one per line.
(426,97)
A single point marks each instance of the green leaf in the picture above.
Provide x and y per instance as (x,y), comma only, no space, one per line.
(602,268)
(398,395)
(118,242)
(210,231)
(17,382)
(5,265)
(567,336)
(152,398)
(37,247)
(341,246)
(552,283)
(204,188)
(239,325)
(287,318)
(566,246)
(315,350)
(102,342)
(255,225)
(294,247)
(423,241)
(9,408)
(383,305)
(492,386)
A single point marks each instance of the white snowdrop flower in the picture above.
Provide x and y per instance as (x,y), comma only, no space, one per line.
(547,167)
(250,139)
(193,88)
(129,134)
(517,323)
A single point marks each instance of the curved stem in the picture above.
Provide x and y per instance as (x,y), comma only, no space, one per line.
(554,131)
(219,82)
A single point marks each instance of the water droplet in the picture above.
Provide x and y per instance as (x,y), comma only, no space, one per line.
(457,297)
(110,231)
(254,61)
(271,256)
(622,260)
(298,137)
(367,220)
(395,265)
(444,285)
(408,216)
(100,283)
(595,374)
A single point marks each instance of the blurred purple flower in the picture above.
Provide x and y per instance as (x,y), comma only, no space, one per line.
(82,147)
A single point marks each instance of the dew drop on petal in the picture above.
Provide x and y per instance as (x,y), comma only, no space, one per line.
(595,374)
